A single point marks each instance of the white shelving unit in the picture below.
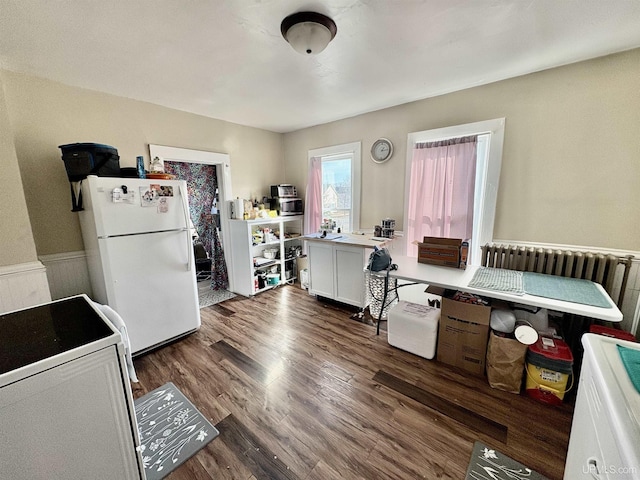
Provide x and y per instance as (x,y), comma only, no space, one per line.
(251,269)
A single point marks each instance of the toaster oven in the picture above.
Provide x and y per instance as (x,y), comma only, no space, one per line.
(284,190)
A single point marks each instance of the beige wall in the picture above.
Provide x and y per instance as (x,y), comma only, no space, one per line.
(16,240)
(571,162)
(45,114)
(570,173)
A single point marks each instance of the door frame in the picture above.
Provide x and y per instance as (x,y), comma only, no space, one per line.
(222,162)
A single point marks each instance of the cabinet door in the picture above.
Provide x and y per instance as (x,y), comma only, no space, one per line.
(349,280)
(321,269)
(71,421)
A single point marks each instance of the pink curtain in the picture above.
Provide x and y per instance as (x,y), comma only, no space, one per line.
(313,200)
(441,190)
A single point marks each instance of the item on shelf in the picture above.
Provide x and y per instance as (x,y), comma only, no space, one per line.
(328,225)
(273,279)
(293,252)
(258,237)
(270,253)
(237,208)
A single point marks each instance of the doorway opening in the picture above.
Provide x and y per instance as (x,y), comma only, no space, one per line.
(208,176)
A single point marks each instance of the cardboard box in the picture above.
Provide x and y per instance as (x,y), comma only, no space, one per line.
(463,335)
(448,252)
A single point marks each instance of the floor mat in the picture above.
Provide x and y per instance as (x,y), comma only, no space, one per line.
(489,464)
(171,430)
(211,297)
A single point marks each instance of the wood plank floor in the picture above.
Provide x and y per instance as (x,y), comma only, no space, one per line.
(298,390)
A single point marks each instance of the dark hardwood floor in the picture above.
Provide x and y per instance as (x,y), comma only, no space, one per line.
(298,390)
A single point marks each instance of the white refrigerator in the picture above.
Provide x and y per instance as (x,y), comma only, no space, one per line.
(138,243)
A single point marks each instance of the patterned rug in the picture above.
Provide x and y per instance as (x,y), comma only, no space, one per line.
(489,464)
(171,430)
(211,297)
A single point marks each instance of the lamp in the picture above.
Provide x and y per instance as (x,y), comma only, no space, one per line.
(308,33)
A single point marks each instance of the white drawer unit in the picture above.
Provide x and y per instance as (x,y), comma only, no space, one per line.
(605,433)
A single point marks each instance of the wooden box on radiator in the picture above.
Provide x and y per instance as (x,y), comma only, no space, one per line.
(414,328)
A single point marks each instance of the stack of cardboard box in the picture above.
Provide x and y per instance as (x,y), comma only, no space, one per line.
(463,331)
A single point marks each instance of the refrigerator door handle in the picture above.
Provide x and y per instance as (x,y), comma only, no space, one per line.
(187,222)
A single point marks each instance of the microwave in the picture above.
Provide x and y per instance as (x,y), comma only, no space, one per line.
(284,190)
(288,206)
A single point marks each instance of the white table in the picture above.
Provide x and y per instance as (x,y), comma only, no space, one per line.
(453,278)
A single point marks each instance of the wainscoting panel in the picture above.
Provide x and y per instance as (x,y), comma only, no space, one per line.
(67,274)
(23,285)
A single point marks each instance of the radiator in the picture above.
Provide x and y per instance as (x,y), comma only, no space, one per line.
(610,271)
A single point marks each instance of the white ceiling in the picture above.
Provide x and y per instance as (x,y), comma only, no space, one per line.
(226,59)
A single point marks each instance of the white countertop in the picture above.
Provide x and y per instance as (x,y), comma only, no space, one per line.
(365,241)
(454,278)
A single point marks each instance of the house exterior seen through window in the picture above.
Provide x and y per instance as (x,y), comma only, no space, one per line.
(336,191)
(333,189)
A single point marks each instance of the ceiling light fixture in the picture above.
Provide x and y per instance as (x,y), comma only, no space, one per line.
(308,33)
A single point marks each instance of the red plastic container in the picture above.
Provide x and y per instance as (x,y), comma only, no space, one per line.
(612,332)
(549,370)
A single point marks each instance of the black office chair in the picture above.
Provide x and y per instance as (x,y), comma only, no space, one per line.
(203,262)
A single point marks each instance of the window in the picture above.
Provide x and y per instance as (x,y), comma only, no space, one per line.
(333,189)
(490,135)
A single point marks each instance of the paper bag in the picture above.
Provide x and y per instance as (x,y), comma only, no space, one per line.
(505,363)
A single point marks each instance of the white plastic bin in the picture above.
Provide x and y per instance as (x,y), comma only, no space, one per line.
(414,328)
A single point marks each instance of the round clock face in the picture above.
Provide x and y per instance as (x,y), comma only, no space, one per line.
(381,150)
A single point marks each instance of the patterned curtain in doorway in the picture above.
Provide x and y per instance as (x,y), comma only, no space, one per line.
(202,186)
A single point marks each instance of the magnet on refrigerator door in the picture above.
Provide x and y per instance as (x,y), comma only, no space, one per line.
(148,196)
(163,205)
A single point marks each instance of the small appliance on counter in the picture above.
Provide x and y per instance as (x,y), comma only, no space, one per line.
(82,159)
(285,200)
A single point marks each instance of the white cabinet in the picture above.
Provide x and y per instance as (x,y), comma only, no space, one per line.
(321,257)
(66,407)
(251,242)
(336,271)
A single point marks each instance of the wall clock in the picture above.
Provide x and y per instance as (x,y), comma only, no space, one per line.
(381,150)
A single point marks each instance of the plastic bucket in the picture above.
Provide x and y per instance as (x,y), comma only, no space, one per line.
(549,365)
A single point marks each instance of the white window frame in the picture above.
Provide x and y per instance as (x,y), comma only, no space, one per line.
(487,176)
(353,149)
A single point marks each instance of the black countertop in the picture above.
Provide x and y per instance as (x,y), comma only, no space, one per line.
(34,334)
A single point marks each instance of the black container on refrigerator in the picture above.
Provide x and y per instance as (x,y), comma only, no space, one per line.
(83,159)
